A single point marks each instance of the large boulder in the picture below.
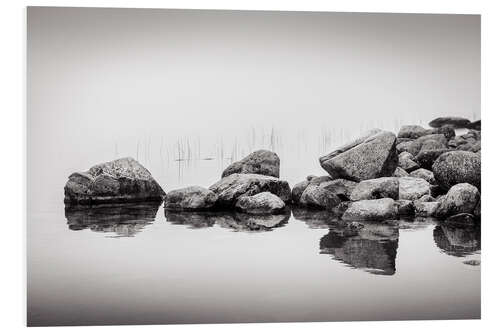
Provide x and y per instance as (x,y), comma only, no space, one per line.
(231,188)
(261,162)
(411,188)
(424,174)
(378,209)
(341,187)
(121,180)
(385,187)
(319,198)
(190,198)
(456,122)
(370,156)
(406,162)
(261,203)
(457,167)
(461,198)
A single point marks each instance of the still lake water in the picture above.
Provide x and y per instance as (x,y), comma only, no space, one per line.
(135,264)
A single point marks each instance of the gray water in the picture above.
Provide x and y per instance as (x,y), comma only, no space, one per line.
(186,92)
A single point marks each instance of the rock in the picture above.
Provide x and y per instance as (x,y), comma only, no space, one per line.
(310,177)
(437,190)
(261,203)
(297,191)
(319,198)
(399,172)
(401,140)
(261,162)
(461,198)
(446,130)
(230,188)
(457,167)
(370,156)
(411,188)
(412,131)
(406,162)
(122,180)
(456,122)
(190,198)
(435,140)
(427,198)
(341,187)
(425,209)
(320,180)
(340,209)
(432,145)
(405,207)
(378,209)
(385,187)
(476,125)
(424,174)
(461,219)
(427,157)
(404,146)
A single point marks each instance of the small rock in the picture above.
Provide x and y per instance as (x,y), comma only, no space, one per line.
(378,209)
(319,198)
(261,203)
(424,174)
(399,172)
(427,198)
(261,162)
(341,187)
(405,207)
(320,180)
(411,188)
(425,209)
(406,162)
(385,187)
(190,198)
(297,191)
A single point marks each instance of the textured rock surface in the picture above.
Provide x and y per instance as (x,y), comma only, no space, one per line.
(425,209)
(341,187)
(319,198)
(122,180)
(412,131)
(399,172)
(370,156)
(405,207)
(378,209)
(457,122)
(411,188)
(261,162)
(426,158)
(190,198)
(406,162)
(385,187)
(261,203)
(424,174)
(461,198)
(457,167)
(230,188)
(427,142)
(297,191)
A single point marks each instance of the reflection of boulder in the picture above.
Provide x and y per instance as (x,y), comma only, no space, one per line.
(457,241)
(373,249)
(315,219)
(229,219)
(123,219)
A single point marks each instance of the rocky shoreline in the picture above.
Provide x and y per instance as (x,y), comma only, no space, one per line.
(424,172)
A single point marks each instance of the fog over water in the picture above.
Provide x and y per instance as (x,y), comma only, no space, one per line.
(207,88)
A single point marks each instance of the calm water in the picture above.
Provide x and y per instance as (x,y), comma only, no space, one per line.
(136,264)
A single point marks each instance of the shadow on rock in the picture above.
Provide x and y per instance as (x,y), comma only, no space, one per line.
(125,220)
(457,241)
(229,219)
(372,249)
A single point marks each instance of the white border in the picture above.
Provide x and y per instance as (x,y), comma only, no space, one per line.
(13,170)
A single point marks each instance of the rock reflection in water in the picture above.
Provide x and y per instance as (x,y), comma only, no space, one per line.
(125,220)
(372,249)
(457,241)
(232,220)
(315,219)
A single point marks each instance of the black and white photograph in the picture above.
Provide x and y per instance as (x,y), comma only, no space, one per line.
(197,166)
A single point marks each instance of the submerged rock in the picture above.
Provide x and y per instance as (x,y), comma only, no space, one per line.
(229,189)
(121,180)
(461,198)
(378,209)
(385,187)
(457,167)
(370,156)
(411,188)
(261,203)
(456,122)
(261,162)
(319,198)
(190,198)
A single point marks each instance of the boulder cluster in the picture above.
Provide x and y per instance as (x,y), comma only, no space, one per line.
(430,172)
